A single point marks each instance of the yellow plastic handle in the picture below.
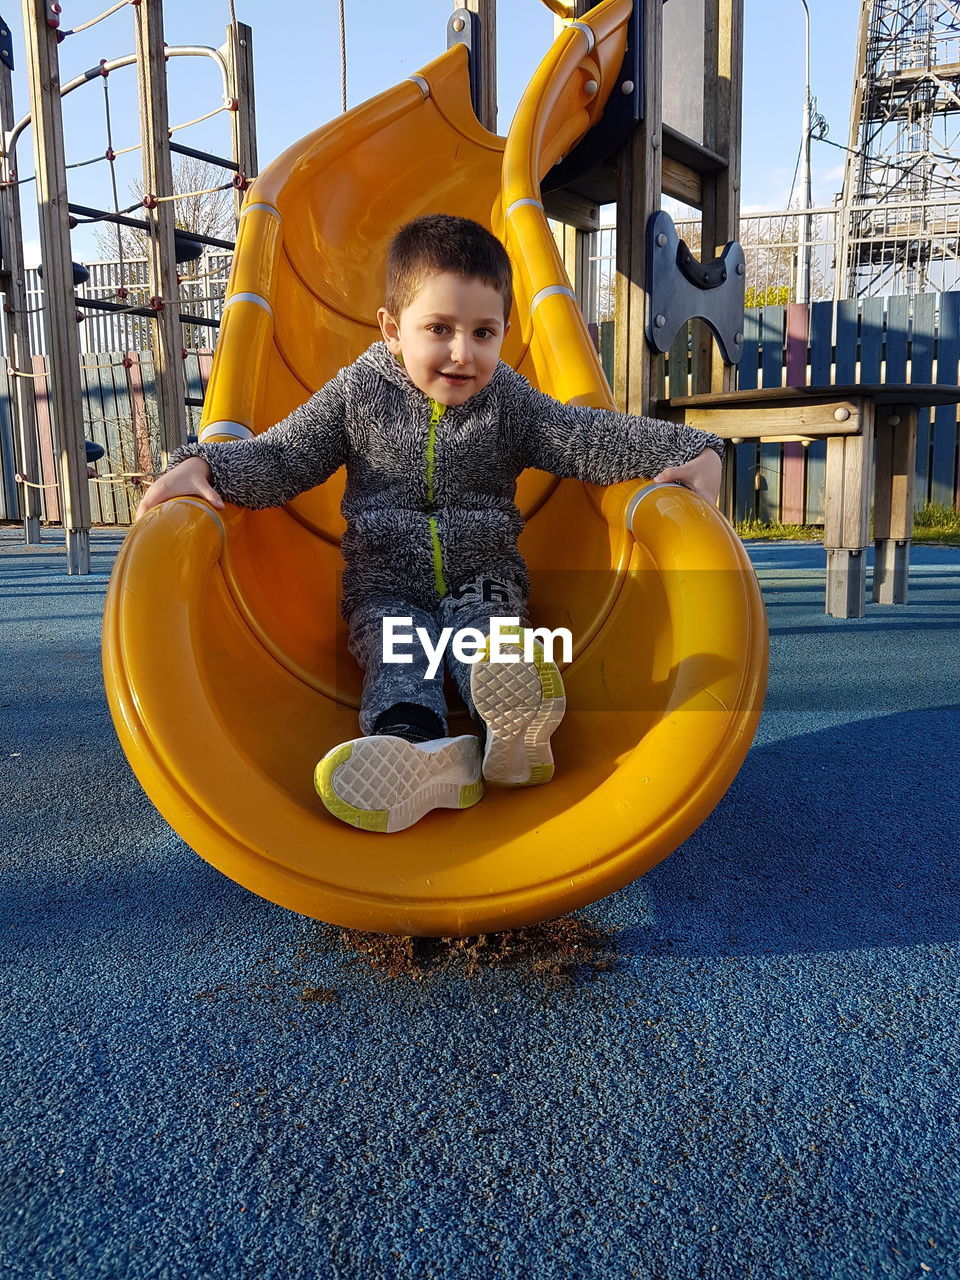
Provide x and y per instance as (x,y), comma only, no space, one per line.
(565,9)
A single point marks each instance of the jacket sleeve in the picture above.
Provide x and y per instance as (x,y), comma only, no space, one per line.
(602,446)
(298,453)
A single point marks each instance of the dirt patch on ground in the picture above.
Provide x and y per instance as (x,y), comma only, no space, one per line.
(560,950)
(319,995)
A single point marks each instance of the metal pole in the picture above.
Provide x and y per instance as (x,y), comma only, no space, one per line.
(806,186)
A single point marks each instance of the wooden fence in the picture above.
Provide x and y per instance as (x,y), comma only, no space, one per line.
(854,341)
(119,413)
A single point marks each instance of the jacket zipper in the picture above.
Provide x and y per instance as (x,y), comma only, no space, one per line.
(436,413)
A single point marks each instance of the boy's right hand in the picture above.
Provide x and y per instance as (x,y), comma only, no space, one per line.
(188,479)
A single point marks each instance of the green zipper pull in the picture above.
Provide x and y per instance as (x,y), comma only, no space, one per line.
(436,413)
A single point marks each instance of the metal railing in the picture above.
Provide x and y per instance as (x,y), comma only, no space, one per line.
(861,251)
(125,285)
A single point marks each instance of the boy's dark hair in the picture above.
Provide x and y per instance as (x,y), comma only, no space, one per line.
(440,242)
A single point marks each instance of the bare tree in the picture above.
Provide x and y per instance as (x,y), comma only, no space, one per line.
(771,259)
(200,209)
(204,206)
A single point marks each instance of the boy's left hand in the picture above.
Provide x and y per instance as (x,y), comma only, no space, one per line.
(701,474)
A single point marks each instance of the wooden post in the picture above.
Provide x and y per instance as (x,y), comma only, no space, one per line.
(161,252)
(896,431)
(16,327)
(639,183)
(45,442)
(487,13)
(722,115)
(794,454)
(846,530)
(574,247)
(238,53)
(40,19)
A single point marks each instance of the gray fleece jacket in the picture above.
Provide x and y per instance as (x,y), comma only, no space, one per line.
(429,500)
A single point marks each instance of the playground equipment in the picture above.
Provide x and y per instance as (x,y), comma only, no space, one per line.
(870,427)
(44,30)
(224,656)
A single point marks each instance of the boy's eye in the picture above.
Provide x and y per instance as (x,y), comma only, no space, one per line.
(484,333)
(437,328)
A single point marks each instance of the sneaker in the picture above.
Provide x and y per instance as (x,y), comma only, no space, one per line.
(385,783)
(520,703)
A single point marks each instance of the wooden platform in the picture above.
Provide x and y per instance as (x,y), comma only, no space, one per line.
(871,434)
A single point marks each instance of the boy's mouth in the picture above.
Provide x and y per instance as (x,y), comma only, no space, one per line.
(456,377)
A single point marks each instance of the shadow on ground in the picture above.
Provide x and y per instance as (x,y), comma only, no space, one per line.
(830,841)
(834,840)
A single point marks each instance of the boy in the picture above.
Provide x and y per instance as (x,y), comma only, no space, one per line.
(434,430)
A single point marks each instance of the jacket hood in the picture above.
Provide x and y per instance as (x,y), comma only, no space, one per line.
(378,358)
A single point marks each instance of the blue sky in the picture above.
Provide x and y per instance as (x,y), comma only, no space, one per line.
(774,91)
(297,67)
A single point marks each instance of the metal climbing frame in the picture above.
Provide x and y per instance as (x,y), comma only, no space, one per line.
(43,33)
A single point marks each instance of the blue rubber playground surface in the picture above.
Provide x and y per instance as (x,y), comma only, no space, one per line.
(758,1080)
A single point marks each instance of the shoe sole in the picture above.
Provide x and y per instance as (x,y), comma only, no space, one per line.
(388,784)
(521,704)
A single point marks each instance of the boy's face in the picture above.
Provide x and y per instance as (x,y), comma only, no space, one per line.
(449,337)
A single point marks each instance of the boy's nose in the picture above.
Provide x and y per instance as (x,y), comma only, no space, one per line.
(460,349)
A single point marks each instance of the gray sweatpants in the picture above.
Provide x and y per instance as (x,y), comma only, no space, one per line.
(387,683)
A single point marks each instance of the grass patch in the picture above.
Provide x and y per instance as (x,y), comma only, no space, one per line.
(936,522)
(760,531)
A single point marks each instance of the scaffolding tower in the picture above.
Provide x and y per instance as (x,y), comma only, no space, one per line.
(900,208)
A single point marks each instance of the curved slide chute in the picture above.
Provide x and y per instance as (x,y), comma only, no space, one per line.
(225,657)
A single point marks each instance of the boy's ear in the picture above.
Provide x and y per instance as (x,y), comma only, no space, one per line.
(390,330)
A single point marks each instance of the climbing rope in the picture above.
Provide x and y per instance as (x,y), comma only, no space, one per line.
(100,17)
(137,308)
(188,195)
(110,477)
(174,128)
(101,216)
(119,151)
(84,368)
(112,157)
(343,56)
(76,164)
(140,305)
(220,275)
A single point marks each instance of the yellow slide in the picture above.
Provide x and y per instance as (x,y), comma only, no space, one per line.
(224,654)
